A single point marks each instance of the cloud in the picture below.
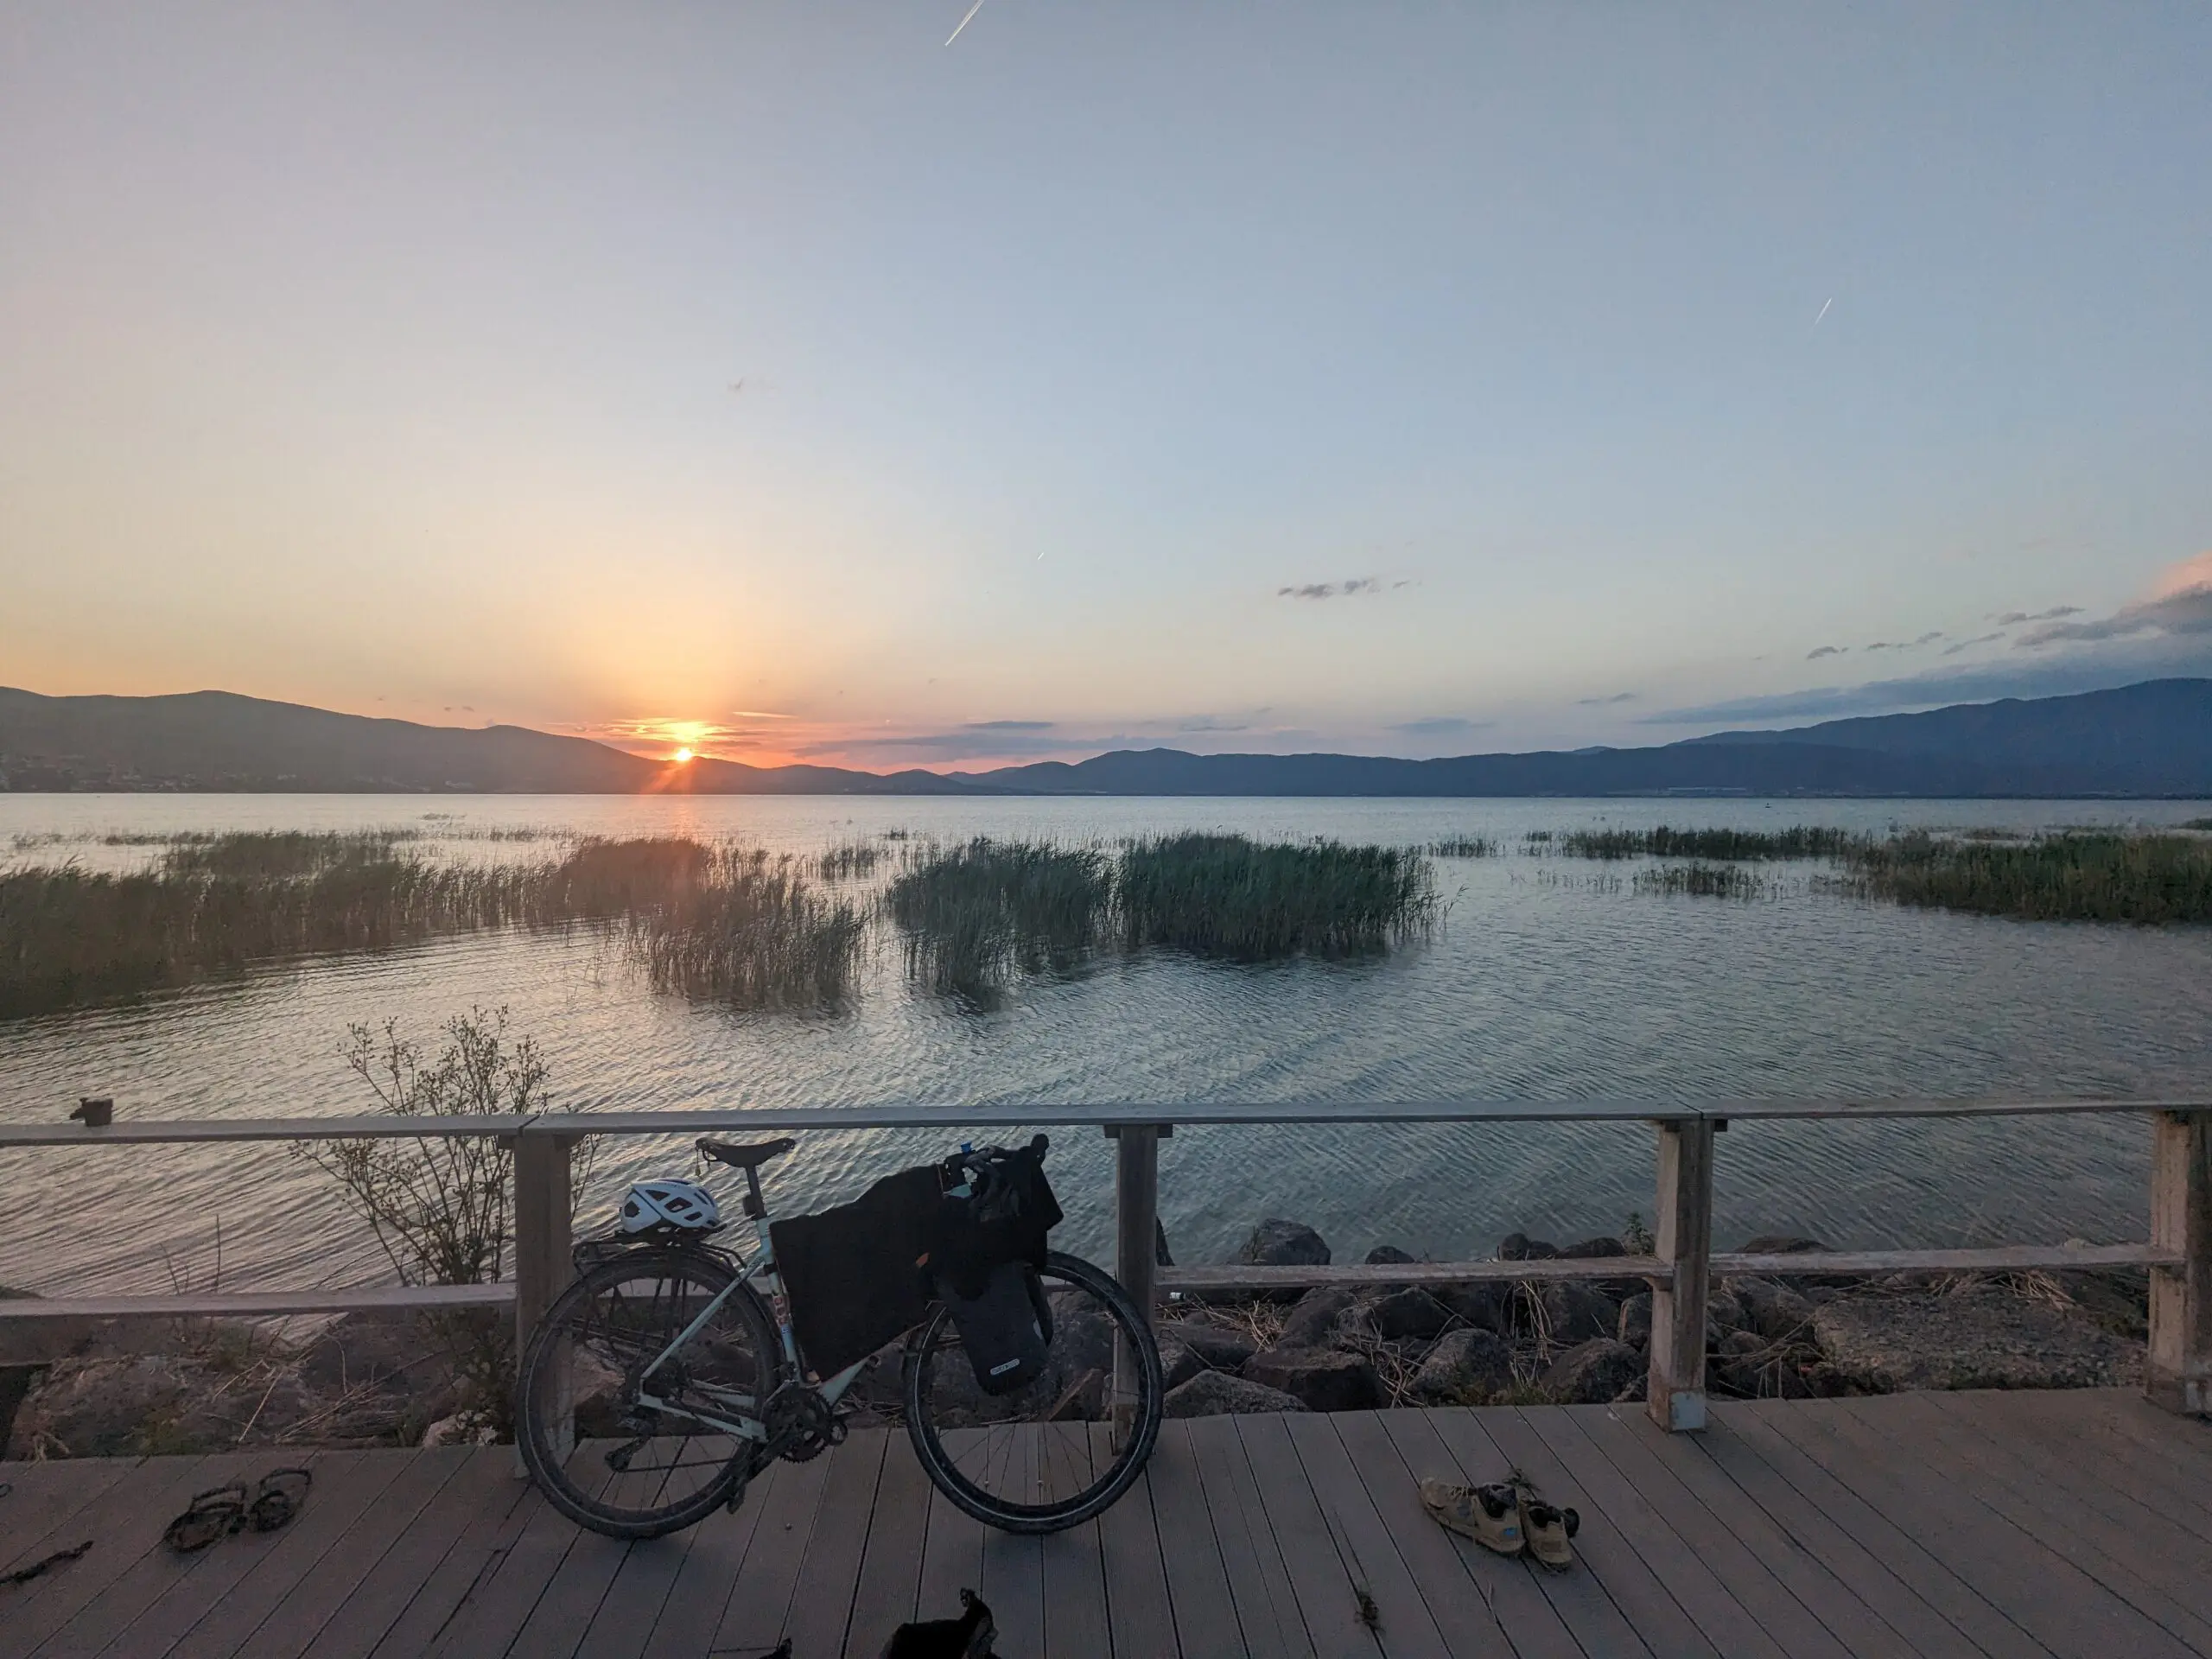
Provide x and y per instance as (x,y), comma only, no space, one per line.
(1819,651)
(1968,645)
(2180,604)
(1007,726)
(2012,618)
(1440,725)
(1335,589)
(1900,644)
(1603,702)
(2058,676)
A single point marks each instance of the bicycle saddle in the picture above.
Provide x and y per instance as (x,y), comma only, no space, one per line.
(752,1157)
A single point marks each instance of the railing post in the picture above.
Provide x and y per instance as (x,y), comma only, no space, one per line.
(542,1244)
(1676,1393)
(1136,1221)
(2178,1365)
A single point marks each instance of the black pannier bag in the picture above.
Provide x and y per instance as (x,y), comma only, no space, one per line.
(990,1244)
(857,1273)
(1006,1331)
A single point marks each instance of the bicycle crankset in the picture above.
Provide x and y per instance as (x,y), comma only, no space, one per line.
(800,1423)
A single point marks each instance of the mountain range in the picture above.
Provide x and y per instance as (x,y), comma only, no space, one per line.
(2150,739)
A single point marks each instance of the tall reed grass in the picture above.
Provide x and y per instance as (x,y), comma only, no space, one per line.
(739,927)
(1700,881)
(1463,847)
(2072,876)
(1229,896)
(972,914)
(705,918)
(1799,841)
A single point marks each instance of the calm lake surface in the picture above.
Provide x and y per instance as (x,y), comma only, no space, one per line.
(1547,980)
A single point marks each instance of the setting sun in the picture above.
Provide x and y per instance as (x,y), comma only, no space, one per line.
(682,756)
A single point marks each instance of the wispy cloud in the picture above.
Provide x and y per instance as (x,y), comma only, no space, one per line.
(2057,676)
(1335,589)
(1605,703)
(1007,725)
(1905,645)
(1968,645)
(1440,725)
(1819,651)
(2013,619)
(2180,604)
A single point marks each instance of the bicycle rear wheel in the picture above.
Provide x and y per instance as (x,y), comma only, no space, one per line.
(1061,1451)
(602,1455)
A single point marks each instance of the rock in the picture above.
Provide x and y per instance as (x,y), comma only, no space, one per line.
(1635,1328)
(1984,1339)
(1313,1321)
(1325,1379)
(1278,1243)
(1217,1394)
(1221,1349)
(460,1429)
(1594,1372)
(1574,1312)
(1740,1344)
(1519,1247)
(1409,1312)
(1465,1368)
(1771,1307)
(1486,1303)
(1387,1255)
(1180,1360)
(1595,1247)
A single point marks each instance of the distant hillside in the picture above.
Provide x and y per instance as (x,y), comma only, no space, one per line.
(2150,739)
(218,740)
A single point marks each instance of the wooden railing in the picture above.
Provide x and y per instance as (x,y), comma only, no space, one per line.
(1680,1268)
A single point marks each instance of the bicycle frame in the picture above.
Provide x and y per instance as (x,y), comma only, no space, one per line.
(761,1274)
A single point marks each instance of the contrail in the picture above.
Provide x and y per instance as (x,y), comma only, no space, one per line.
(1816,321)
(964,22)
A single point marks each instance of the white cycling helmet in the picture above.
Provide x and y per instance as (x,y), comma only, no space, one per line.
(670,1203)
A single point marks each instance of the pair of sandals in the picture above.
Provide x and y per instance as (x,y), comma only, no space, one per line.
(216,1514)
(1506,1517)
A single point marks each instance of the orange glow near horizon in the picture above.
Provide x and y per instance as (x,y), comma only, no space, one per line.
(683,757)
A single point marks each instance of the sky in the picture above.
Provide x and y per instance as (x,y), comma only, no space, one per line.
(1414,380)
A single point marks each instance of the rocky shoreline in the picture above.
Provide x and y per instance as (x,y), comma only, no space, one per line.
(1587,1340)
(393,1380)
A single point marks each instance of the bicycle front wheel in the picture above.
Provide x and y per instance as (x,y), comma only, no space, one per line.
(620,1438)
(1056,1452)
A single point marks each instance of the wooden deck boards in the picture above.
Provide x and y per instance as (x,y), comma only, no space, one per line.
(1958,1525)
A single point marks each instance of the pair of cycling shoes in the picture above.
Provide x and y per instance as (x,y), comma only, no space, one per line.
(1505,1517)
(217,1513)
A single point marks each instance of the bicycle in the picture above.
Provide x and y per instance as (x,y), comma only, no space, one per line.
(669,1374)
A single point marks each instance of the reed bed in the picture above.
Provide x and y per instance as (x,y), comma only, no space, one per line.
(1229,896)
(1799,841)
(2071,876)
(738,927)
(1701,882)
(1464,847)
(850,860)
(69,936)
(974,914)
(708,918)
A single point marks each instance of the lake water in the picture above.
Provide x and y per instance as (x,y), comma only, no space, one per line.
(1541,983)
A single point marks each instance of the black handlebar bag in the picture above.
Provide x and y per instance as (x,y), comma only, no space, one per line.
(989,1247)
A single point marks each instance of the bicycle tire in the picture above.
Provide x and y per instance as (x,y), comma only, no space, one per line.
(994,1510)
(536,1438)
